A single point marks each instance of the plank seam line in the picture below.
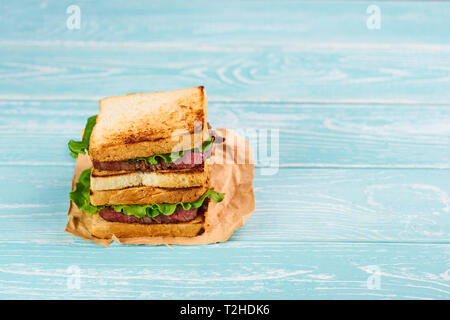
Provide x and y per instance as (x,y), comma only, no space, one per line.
(281,166)
(324,242)
(360,166)
(294,101)
(236,242)
(227,46)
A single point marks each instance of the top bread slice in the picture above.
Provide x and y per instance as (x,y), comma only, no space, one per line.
(146,124)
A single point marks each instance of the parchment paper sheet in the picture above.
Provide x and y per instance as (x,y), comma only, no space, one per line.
(233,177)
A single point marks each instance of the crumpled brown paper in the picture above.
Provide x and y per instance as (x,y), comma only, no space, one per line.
(231,172)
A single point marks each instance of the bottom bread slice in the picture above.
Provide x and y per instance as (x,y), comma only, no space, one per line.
(100,228)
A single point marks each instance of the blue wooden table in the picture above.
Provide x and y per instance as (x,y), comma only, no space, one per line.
(360,206)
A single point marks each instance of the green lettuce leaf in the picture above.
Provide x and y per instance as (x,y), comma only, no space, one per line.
(80,196)
(167,158)
(206,145)
(77,147)
(174,156)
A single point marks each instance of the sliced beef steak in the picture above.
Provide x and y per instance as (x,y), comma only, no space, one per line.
(179,215)
(189,160)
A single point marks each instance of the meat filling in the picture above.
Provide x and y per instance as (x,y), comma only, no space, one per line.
(180,215)
(189,160)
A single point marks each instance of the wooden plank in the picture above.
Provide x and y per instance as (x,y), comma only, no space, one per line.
(343,97)
(208,23)
(312,73)
(310,135)
(224,271)
(294,205)
(282,51)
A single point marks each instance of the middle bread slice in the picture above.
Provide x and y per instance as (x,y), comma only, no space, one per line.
(162,186)
(181,178)
(146,195)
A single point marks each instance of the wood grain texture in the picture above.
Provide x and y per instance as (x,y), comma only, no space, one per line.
(363,118)
(278,51)
(316,135)
(248,22)
(322,205)
(233,269)
(320,72)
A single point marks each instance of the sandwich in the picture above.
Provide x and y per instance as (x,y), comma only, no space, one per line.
(149,174)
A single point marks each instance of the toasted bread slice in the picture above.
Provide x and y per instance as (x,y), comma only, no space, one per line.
(146,124)
(147,195)
(181,178)
(100,228)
